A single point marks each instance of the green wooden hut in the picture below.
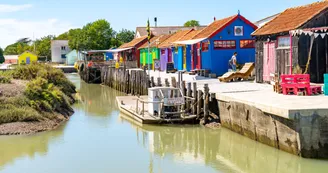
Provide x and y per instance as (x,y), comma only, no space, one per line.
(154,52)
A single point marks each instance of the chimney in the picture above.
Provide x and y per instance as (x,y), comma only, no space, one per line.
(214,18)
(155,19)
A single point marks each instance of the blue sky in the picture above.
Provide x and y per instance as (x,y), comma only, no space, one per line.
(25,18)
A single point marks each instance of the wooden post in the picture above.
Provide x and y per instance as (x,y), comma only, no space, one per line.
(167,84)
(159,82)
(173,82)
(194,90)
(199,103)
(183,89)
(206,101)
(189,102)
(179,78)
(152,82)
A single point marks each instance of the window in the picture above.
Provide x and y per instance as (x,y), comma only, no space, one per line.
(224,44)
(205,46)
(247,44)
(63,48)
(162,51)
(283,42)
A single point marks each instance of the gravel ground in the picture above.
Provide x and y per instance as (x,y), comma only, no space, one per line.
(15,88)
(25,128)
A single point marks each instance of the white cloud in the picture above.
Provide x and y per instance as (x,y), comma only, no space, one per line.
(12,29)
(6,8)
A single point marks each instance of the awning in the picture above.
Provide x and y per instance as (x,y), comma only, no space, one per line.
(190,42)
(119,50)
(106,51)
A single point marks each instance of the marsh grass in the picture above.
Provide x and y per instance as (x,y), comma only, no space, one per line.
(47,93)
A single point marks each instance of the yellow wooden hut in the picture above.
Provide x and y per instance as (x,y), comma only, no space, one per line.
(27,58)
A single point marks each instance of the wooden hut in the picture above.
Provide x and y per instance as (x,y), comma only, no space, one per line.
(154,50)
(172,53)
(296,37)
(188,54)
(214,45)
(130,51)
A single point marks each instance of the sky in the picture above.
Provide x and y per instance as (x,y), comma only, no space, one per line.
(37,18)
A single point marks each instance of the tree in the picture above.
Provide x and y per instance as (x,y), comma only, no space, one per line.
(97,35)
(75,39)
(191,23)
(43,46)
(17,48)
(125,36)
(63,36)
(2,58)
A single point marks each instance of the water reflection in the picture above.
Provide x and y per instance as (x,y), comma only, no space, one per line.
(221,149)
(15,147)
(95,99)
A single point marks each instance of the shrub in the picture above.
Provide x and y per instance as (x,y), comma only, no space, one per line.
(5,77)
(12,113)
(51,74)
(45,96)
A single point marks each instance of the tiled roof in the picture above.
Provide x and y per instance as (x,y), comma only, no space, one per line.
(164,30)
(190,35)
(174,37)
(292,18)
(153,41)
(213,27)
(133,43)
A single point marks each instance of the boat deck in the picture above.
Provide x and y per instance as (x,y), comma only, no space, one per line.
(127,105)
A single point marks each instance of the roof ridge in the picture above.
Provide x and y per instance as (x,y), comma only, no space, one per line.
(171,26)
(294,8)
(307,5)
(217,21)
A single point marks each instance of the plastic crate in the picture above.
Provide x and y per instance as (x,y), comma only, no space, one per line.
(325,78)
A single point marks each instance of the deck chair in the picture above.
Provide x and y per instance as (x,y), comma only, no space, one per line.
(246,71)
(227,77)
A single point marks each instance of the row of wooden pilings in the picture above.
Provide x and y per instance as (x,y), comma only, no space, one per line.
(136,82)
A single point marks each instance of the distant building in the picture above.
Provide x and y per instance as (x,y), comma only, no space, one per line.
(27,58)
(262,22)
(59,49)
(72,57)
(163,30)
(11,59)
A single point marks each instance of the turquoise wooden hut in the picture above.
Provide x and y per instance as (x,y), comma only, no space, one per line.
(72,57)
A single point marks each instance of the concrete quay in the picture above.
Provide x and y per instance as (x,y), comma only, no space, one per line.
(295,124)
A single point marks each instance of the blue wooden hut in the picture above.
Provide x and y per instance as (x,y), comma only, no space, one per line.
(213,46)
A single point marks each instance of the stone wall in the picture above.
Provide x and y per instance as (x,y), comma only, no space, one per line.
(312,126)
(268,129)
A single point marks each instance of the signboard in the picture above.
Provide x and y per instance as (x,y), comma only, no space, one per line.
(157,64)
(170,67)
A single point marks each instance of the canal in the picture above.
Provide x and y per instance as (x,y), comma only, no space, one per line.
(98,139)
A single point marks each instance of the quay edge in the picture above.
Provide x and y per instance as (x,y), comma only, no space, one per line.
(304,133)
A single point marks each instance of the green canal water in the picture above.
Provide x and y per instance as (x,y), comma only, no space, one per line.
(98,139)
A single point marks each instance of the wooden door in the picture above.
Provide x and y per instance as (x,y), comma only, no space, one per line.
(193,56)
(269,60)
(198,53)
(283,61)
